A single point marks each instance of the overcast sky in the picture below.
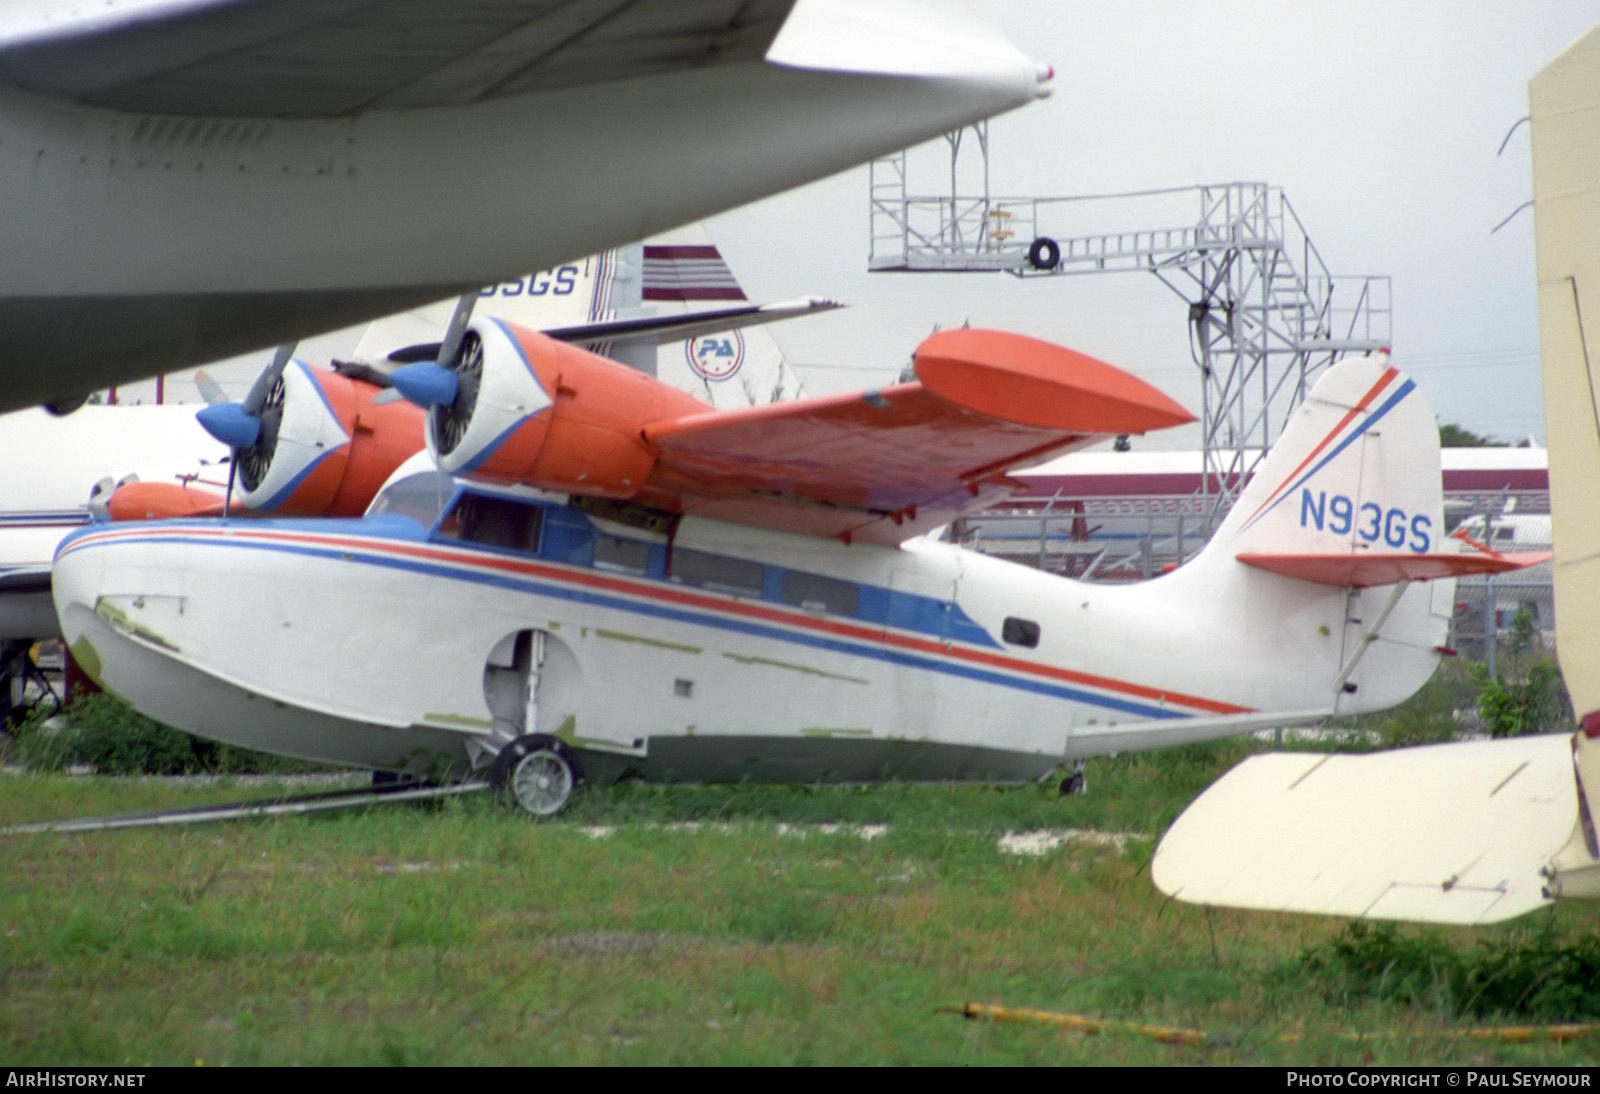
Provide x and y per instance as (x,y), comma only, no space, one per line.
(1380,121)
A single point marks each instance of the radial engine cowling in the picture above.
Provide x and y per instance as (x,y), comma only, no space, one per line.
(521,407)
(324,449)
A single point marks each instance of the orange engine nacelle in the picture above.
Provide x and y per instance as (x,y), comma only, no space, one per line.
(526,408)
(323,449)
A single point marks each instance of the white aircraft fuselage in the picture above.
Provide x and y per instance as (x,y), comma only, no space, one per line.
(399,645)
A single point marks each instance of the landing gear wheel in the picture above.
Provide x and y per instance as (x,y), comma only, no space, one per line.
(1075,783)
(540,773)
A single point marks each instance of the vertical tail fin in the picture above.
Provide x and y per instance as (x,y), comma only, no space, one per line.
(685,270)
(1349,498)
(1356,470)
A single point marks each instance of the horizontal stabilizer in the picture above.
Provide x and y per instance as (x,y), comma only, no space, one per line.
(1365,569)
(1454,833)
(655,330)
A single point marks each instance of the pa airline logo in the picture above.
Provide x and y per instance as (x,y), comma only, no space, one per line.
(715,357)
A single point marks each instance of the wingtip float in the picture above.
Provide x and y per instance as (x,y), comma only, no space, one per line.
(1014,378)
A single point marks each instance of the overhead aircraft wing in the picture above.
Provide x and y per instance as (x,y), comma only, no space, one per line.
(890,464)
(326,58)
(1452,833)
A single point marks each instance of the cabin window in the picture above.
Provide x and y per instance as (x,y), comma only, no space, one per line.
(622,556)
(820,594)
(1020,632)
(421,497)
(716,572)
(494,522)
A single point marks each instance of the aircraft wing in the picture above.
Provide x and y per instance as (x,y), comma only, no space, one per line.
(890,464)
(25,579)
(326,58)
(1453,833)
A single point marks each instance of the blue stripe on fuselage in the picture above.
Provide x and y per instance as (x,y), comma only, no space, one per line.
(659,610)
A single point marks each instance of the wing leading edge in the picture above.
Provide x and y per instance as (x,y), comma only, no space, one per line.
(325,58)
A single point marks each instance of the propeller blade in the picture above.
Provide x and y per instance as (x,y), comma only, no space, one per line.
(257,398)
(457,328)
(210,390)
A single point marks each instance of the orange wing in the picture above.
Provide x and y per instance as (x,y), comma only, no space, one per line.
(890,464)
(880,465)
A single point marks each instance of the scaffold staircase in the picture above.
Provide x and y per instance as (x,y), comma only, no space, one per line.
(1264,311)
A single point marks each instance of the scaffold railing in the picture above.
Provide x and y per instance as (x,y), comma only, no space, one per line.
(1264,310)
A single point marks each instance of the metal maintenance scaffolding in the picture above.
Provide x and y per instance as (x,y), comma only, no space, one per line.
(1264,311)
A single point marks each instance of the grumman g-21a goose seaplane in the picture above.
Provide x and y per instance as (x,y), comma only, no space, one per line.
(605,577)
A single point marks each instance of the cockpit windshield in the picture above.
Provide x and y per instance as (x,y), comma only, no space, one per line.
(422,497)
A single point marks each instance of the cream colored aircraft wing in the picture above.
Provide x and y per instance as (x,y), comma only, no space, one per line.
(1466,832)
(1455,833)
(325,58)
(1564,100)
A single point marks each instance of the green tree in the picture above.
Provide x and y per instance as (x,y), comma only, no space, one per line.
(1456,436)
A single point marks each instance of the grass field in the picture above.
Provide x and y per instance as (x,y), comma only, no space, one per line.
(692,925)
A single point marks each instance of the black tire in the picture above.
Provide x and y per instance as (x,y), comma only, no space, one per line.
(1044,254)
(537,772)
